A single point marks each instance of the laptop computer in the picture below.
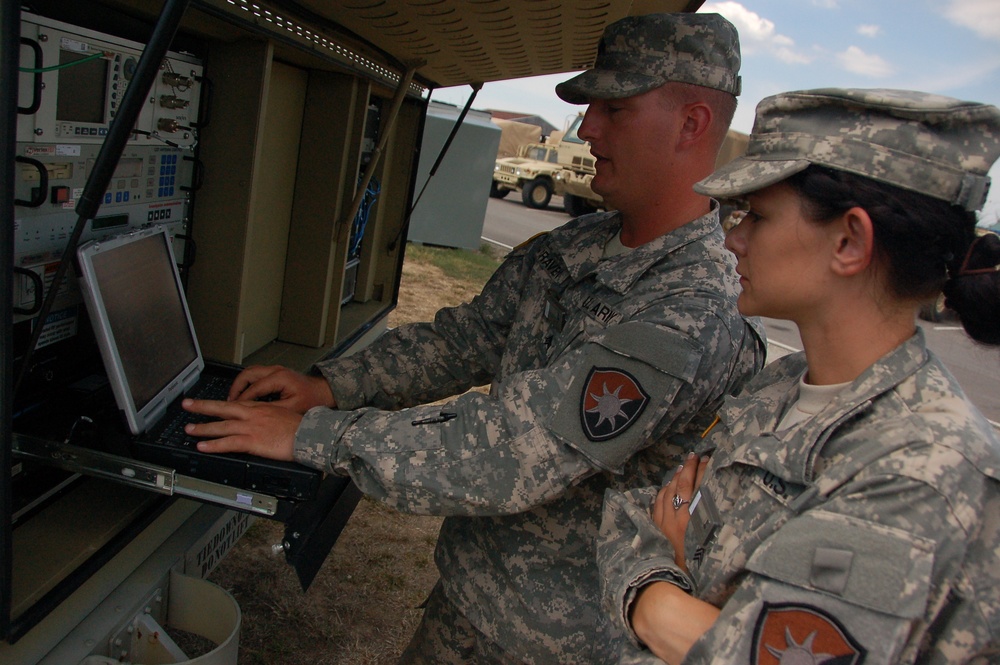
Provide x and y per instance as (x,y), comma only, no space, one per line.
(139,313)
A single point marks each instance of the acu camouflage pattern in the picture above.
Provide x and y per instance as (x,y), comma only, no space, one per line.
(935,145)
(880,513)
(516,554)
(452,640)
(640,53)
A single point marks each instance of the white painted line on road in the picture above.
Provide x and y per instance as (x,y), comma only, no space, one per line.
(494,242)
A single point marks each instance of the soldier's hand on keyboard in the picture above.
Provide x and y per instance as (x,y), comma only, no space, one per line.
(245,426)
(293,390)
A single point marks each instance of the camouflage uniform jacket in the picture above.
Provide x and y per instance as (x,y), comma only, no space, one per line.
(869,532)
(602,371)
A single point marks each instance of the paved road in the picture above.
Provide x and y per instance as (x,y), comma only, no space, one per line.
(509,222)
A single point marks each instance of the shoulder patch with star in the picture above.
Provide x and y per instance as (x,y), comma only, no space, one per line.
(612,400)
(793,632)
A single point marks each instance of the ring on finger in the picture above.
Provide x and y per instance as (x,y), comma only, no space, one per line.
(678,502)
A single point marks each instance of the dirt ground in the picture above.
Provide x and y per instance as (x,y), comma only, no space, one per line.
(363,605)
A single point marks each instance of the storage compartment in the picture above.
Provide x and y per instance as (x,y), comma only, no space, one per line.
(261,194)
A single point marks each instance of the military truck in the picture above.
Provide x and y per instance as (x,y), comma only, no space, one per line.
(573,182)
(529,172)
(574,188)
(514,134)
(534,170)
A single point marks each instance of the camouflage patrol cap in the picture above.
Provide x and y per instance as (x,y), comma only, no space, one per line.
(639,53)
(939,146)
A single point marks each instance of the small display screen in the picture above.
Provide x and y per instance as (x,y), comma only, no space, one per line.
(82,88)
(128,167)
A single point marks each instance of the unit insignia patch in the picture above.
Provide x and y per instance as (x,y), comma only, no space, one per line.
(611,403)
(794,633)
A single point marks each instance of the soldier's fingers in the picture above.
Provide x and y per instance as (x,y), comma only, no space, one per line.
(662,503)
(700,474)
(686,477)
(248,377)
(263,387)
(217,409)
(226,444)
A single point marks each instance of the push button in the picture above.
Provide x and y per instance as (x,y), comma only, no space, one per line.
(60,194)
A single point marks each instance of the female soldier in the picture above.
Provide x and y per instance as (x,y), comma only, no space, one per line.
(850,511)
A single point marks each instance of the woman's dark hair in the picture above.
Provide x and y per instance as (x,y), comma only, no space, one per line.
(924,245)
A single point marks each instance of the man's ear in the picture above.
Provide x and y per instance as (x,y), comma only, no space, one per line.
(697,120)
(854,238)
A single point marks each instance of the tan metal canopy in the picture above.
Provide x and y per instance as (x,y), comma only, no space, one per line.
(455,42)
(464,41)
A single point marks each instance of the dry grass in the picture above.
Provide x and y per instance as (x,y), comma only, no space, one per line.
(364,603)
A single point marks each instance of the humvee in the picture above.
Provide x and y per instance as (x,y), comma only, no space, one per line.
(530,172)
(574,188)
(537,170)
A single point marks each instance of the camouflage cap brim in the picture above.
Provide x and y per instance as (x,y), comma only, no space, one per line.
(937,146)
(743,176)
(639,53)
(605,84)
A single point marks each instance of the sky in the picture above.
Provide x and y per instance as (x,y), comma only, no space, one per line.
(948,47)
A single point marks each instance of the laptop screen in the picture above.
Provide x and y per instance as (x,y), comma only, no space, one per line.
(140,317)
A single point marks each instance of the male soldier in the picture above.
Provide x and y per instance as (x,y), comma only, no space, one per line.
(610,343)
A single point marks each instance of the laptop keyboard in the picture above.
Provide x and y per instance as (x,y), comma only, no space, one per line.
(170,430)
(166,444)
